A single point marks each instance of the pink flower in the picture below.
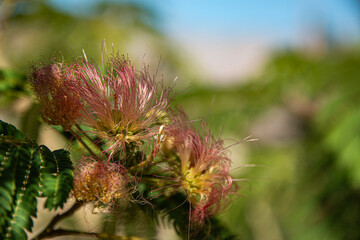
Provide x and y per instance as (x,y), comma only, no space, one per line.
(57,93)
(203,172)
(123,106)
(99,182)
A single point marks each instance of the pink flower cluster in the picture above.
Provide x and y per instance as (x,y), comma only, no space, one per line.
(126,113)
(200,167)
(119,104)
(57,92)
(100,182)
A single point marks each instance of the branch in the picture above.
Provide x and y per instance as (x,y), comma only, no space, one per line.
(62,232)
(47,232)
(83,143)
(77,126)
(152,155)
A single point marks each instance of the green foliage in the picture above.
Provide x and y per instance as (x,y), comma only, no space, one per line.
(174,210)
(12,85)
(56,175)
(26,170)
(136,221)
(310,188)
(118,22)
(30,122)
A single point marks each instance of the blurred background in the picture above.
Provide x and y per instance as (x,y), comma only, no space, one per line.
(286,72)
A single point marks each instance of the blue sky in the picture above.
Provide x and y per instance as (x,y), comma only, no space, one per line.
(228,40)
(277,21)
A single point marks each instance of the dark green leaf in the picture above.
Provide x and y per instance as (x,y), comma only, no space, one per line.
(57,177)
(9,130)
(20,180)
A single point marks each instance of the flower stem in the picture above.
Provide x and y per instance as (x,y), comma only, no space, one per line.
(151,156)
(83,143)
(77,126)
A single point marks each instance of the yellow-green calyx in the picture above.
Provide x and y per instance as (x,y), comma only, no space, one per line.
(196,184)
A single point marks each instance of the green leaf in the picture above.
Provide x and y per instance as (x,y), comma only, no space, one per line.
(16,232)
(175,210)
(9,130)
(25,170)
(30,122)
(19,181)
(57,176)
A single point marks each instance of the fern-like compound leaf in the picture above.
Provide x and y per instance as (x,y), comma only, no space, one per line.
(9,130)
(26,170)
(56,176)
(19,181)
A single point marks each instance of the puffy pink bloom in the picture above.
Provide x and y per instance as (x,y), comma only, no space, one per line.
(121,105)
(99,182)
(203,171)
(57,93)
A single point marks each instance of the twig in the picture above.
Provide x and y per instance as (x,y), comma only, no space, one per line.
(152,155)
(83,143)
(77,126)
(62,232)
(47,232)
